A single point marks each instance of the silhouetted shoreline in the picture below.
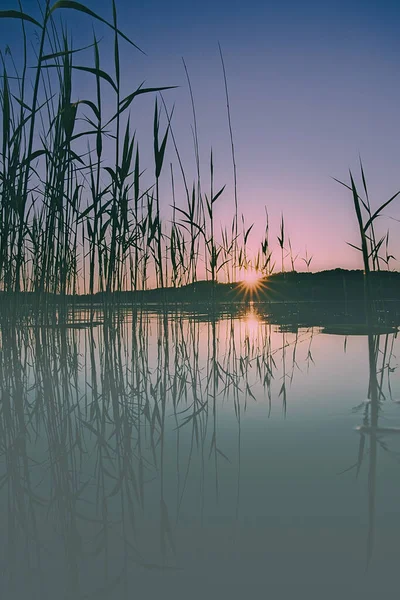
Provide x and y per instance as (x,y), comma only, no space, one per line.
(336,285)
(305,299)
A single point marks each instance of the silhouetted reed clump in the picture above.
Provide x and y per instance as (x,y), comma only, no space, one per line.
(76,215)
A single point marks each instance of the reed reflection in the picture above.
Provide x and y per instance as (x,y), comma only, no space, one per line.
(371,432)
(114,434)
(86,429)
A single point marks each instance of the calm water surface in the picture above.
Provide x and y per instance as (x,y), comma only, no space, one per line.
(179,457)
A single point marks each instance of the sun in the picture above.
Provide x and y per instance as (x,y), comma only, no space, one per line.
(251,282)
(251,279)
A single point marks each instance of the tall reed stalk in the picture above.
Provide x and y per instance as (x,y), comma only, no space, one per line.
(369,246)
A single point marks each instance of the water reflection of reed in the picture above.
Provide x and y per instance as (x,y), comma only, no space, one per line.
(380,358)
(89,420)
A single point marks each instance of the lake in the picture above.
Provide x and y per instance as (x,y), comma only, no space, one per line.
(182,456)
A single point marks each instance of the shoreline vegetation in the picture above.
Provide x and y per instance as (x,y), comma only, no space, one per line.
(332,299)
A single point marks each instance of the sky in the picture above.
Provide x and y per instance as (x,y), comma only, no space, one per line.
(313,85)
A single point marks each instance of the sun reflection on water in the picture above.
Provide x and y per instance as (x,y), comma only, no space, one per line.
(252,324)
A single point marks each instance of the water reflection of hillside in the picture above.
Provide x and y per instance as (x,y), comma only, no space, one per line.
(113,435)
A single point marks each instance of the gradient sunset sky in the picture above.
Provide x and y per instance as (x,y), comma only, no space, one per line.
(312,86)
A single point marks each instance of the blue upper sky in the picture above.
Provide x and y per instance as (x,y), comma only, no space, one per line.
(312,85)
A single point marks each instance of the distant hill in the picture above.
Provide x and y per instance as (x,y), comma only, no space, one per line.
(337,285)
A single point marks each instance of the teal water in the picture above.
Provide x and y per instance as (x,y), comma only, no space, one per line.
(171,456)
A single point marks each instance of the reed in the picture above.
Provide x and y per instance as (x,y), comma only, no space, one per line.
(59,222)
(75,216)
(370,247)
